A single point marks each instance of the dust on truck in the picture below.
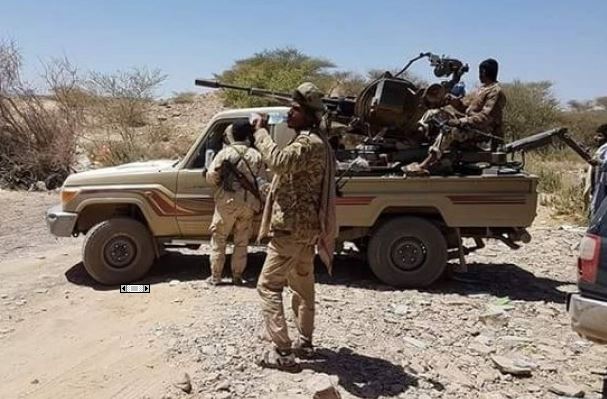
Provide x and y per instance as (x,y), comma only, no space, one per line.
(409,227)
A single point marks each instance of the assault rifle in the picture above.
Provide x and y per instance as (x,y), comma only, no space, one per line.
(228,169)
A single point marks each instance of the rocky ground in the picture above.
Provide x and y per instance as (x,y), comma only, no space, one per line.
(500,332)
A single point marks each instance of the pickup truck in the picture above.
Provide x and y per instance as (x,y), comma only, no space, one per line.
(409,227)
(588,307)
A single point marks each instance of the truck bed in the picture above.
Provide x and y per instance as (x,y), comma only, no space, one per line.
(461,201)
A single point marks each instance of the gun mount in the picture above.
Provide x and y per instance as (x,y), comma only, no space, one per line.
(387,118)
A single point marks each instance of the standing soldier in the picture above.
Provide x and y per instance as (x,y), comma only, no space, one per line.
(595,187)
(299,214)
(235,202)
(483,111)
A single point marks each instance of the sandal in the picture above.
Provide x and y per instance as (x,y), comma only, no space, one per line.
(303,348)
(279,360)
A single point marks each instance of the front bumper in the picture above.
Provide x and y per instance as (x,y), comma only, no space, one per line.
(588,317)
(61,223)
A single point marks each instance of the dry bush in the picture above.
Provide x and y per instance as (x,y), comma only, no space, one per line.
(38,134)
(124,97)
(121,101)
(151,142)
(561,183)
(186,97)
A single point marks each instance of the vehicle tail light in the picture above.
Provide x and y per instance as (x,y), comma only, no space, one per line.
(588,261)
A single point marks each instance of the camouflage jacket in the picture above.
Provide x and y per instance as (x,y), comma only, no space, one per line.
(484,109)
(240,155)
(293,204)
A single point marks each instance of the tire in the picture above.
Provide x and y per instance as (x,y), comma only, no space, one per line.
(423,244)
(118,251)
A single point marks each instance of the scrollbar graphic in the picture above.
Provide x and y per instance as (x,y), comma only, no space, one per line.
(135,289)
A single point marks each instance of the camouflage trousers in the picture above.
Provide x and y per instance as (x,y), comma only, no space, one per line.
(238,220)
(443,142)
(289,262)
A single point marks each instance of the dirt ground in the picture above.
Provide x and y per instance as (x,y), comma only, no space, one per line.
(62,335)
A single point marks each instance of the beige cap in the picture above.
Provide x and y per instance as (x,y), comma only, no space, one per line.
(310,96)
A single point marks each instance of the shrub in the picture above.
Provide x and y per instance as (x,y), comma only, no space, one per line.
(530,108)
(38,135)
(123,97)
(186,97)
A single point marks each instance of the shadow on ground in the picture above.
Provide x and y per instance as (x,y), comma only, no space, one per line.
(496,279)
(363,376)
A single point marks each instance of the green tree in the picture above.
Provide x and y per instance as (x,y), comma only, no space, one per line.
(530,108)
(277,70)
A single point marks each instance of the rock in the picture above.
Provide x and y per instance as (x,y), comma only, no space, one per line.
(570,391)
(415,342)
(481,348)
(510,366)
(598,371)
(495,395)
(163,103)
(3,296)
(454,374)
(173,283)
(35,381)
(41,291)
(161,118)
(512,340)
(494,318)
(183,383)
(323,386)
(223,386)
(176,114)
(40,186)
(400,310)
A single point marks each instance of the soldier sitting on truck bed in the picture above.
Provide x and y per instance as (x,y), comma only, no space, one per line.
(483,111)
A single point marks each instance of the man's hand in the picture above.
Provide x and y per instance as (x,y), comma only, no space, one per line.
(260,121)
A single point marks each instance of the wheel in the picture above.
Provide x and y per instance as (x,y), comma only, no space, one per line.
(407,252)
(118,251)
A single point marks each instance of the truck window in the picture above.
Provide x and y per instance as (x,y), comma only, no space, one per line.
(213,141)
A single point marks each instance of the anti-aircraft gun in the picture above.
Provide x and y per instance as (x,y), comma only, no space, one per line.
(385,117)
(390,105)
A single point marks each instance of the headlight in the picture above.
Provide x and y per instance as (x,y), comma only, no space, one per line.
(68,194)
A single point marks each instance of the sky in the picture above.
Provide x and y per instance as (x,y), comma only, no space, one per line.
(561,41)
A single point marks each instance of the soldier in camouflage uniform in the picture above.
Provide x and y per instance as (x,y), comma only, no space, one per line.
(483,111)
(235,207)
(300,209)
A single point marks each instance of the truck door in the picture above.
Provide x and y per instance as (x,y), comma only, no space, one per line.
(195,203)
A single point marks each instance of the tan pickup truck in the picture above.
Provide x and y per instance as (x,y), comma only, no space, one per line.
(409,227)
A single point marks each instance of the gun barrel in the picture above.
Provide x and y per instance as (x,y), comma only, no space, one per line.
(534,141)
(213,84)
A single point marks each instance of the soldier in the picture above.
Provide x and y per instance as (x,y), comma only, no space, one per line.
(299,214)
(482,111)
(595,181)
(235,206)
